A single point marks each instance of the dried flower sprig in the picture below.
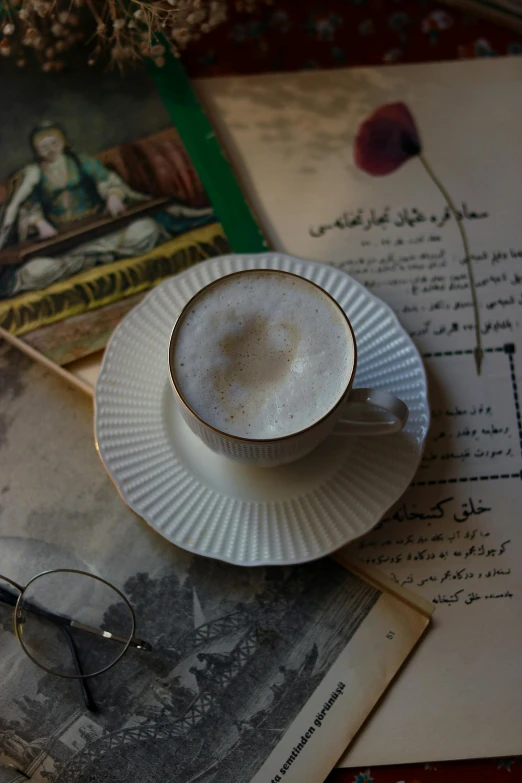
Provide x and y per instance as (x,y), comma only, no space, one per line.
(124,30)
(386,140)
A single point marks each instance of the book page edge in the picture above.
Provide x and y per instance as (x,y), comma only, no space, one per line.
(375,577)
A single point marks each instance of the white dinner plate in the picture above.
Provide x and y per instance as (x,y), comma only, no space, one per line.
(246,515)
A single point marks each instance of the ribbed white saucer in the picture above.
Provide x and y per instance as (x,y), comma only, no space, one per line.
(211,506)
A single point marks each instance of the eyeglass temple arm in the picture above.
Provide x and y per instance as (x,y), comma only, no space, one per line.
(11,600)
(140,644)
(86,692)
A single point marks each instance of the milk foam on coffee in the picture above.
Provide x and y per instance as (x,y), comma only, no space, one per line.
(262,355)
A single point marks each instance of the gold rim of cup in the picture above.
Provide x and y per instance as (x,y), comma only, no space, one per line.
(244,438)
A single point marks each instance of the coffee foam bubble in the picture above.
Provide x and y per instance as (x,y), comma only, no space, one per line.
(262,355)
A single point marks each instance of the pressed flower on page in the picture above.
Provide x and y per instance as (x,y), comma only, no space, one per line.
(387,140)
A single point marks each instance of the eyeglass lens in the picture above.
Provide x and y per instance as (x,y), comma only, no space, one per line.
(58,617)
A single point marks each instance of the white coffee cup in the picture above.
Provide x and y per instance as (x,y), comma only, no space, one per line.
(262,364)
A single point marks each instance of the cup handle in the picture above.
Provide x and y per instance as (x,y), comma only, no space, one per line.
(380,400)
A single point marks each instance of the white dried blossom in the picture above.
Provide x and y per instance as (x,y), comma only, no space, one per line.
(30,37)
(122,52)
(42,9)
(197,17)
(181,35)
(46,25)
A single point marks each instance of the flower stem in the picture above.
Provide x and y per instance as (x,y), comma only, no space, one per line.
(478,352)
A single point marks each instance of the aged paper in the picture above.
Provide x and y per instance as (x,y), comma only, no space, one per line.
(245,662)
(455,536)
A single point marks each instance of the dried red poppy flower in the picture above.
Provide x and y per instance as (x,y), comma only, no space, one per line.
(386,140)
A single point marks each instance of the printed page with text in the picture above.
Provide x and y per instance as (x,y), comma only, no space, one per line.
(455,536)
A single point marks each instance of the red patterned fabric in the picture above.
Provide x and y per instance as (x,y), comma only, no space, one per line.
(491,771)
(292,35)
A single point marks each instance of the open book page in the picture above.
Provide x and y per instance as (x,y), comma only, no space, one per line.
(455,536)
(255,673)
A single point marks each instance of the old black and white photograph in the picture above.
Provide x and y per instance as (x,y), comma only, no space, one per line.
(228,672)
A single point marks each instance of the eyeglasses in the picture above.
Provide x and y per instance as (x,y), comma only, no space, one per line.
(72,624)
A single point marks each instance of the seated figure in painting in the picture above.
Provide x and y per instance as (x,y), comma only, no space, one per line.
(62,187)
